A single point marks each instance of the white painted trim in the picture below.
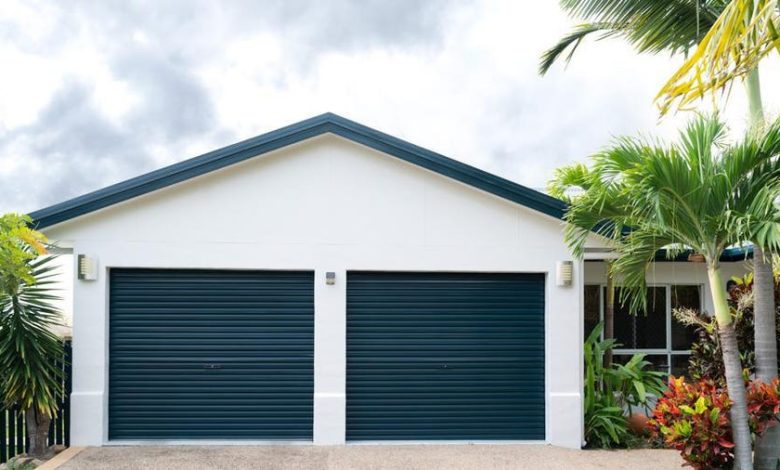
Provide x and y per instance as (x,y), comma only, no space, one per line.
(599,256)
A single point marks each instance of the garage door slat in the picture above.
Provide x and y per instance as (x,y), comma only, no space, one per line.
(440,356)
(168,327)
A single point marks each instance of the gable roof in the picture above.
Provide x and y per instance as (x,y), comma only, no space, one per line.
(324,123)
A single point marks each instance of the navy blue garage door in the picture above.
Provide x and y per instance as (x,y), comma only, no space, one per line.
(433,356)
(197,354)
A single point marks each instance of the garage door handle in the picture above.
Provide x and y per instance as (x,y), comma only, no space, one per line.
(212,366)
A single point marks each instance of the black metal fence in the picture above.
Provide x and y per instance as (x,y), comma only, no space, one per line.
(13,431)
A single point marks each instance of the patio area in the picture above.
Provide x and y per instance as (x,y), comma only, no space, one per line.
(365,457)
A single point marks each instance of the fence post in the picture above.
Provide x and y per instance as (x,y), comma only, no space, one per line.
(65,408)
(3,436)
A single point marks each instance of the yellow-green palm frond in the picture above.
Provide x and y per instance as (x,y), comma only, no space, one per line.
(744,33)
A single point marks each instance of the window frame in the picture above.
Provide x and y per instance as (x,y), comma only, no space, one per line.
(669,351)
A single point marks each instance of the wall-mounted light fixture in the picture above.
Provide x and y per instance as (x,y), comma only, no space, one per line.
(564,273)
(87,268)
(330,278)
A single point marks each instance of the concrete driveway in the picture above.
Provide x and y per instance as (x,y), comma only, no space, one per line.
(365,457)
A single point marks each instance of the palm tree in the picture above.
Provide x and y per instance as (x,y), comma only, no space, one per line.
(651,26)
(29,350)
(696,194)
(745,33)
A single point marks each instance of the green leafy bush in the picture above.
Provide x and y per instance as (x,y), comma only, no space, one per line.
(612,392)
(694,419)
(605,424)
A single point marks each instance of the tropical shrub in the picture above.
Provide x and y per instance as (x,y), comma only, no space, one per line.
(611,392)
(635,383)
(694,419)
(29,350)
(606,425)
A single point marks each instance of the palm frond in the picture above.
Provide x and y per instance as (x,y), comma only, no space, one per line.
(635,253)
(651,26)
(567,179)
(572,41)
(745,32)
(698,193)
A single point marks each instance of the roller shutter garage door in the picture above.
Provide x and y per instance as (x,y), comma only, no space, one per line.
(197,354)
(434,356)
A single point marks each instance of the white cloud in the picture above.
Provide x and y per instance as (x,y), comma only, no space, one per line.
(127,87)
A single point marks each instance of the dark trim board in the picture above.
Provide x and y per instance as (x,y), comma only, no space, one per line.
(318,125)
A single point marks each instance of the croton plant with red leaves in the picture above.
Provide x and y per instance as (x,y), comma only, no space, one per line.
(694,419)
(763,405)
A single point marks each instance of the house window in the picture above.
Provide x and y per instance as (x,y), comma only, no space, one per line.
(656,333)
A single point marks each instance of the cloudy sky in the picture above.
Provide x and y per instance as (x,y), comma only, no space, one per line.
(95,92)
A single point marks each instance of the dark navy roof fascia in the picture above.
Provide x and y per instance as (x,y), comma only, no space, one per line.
(325,123)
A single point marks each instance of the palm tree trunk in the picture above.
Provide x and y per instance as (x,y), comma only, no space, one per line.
(764,311)
(767,454)
(743,455)
(37,433)
(736,389)
(765,333)
(609,313)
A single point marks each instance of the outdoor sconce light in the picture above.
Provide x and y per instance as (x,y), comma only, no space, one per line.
(564,272)
(87,268)
(330,278)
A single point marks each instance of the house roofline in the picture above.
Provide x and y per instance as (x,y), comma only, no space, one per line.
(294,133)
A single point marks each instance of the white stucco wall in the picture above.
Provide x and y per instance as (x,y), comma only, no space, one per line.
(326,204)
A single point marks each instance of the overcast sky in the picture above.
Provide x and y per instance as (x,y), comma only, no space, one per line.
(92,93)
